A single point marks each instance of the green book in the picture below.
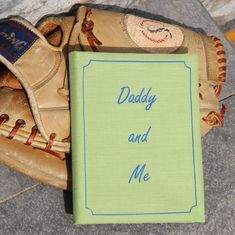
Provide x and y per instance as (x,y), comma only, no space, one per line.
(136,143)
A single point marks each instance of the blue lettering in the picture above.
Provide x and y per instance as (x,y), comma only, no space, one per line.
(151,100)
(127,96)
(119,99)
(145,135)
(131,138)
(139,137)
(131,99)
(146,177)
(137,173)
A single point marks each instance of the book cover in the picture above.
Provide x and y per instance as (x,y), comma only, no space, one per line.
(136,143)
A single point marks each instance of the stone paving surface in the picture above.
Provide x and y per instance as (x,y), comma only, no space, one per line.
(29,207)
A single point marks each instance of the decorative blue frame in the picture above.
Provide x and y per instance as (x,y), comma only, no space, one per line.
(84,126)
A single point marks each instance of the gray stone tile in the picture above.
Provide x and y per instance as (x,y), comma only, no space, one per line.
(39,211)
(42,210)
(12,182)
(219,173)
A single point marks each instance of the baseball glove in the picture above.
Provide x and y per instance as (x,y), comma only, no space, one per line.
(34,94)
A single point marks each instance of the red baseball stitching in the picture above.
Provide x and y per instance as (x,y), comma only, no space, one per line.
(50,141)
(20,123)
(32,135)
(215,119)
(222,65)
(4,118)
(149,38)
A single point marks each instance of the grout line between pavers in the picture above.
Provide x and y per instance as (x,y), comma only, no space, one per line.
(227,97)
(18,193)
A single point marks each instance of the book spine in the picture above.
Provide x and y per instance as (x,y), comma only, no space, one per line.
(75,98)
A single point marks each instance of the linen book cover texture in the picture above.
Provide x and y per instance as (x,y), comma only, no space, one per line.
(136,143)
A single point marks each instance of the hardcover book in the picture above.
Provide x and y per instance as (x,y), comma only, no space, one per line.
(136,143)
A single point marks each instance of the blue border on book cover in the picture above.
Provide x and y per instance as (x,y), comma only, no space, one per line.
(192,127)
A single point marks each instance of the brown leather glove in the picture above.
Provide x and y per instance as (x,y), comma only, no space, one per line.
(105,31)
(17,121)
(40,68)
(41,117)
